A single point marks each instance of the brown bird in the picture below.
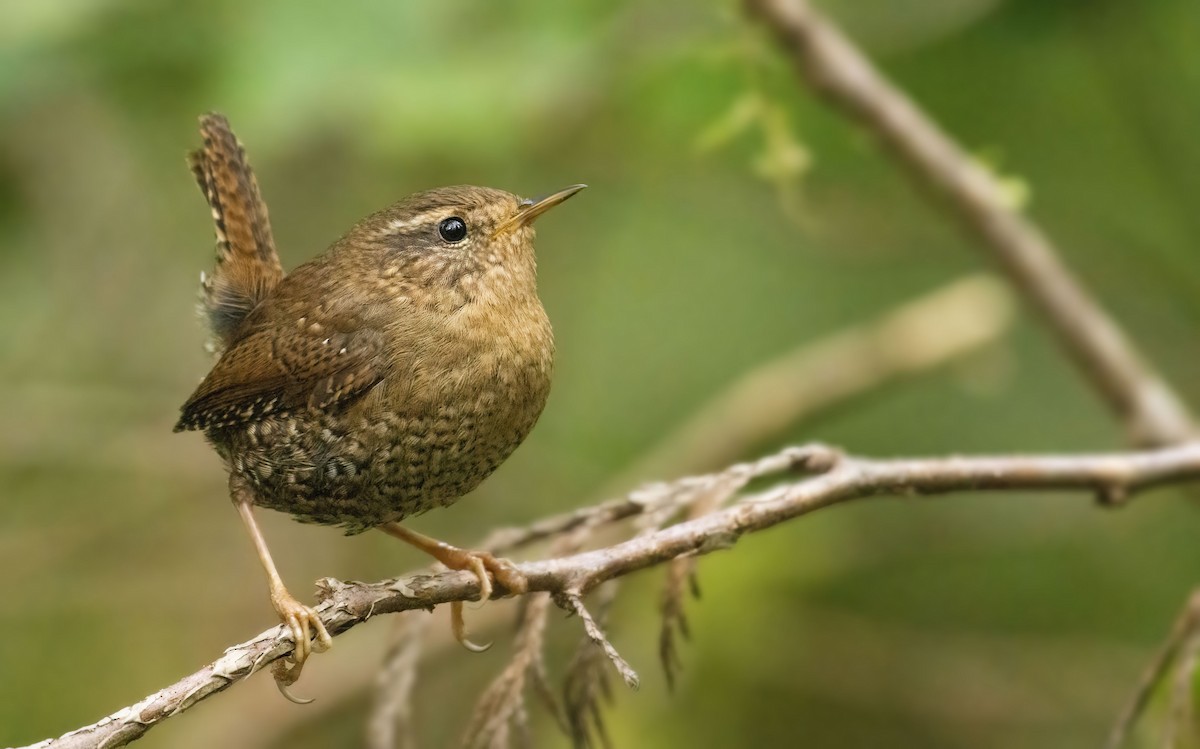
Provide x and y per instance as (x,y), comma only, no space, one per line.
(385,377)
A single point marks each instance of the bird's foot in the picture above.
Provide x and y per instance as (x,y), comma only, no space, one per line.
(303,622)
(481,563)
(485,566)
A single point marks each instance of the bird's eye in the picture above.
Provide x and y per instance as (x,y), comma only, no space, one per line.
(452,229)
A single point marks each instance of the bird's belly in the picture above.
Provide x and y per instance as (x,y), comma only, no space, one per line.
(360,471)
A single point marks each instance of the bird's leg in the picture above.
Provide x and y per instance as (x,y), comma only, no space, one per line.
(479,562)
(300,619)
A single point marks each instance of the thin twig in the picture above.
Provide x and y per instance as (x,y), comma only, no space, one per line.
(572,600)
(587,685)
(836,69)
(347,604)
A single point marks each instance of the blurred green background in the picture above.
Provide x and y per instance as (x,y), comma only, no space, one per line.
(711,241)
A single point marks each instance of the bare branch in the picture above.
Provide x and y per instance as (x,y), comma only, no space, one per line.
(658,500)
(347,604)
(835,68)
(1152,413)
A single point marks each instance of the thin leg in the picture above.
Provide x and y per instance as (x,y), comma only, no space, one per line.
(479,562)
(300,619)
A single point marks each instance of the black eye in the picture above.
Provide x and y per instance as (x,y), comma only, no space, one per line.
(452,229)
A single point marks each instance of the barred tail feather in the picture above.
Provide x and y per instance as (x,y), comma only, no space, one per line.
(247,267)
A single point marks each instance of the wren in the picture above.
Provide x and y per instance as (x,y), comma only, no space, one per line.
(387,376)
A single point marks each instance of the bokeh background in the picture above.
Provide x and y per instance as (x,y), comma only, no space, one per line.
(730,219)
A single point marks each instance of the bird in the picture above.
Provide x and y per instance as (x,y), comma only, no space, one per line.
(385,377)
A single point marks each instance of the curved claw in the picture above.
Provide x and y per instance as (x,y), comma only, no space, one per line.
(459,626)
(291,697)
(286,672)
(481,563)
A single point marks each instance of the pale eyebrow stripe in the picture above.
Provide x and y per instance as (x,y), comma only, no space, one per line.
(419,219)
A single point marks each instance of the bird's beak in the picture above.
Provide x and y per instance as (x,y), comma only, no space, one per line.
(530,208)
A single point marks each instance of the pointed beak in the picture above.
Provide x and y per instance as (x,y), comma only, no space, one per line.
(530,208)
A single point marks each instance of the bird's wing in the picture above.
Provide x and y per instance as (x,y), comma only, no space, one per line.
(280,369)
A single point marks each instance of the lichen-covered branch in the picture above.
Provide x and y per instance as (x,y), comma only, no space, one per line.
(834,67)
(838,478)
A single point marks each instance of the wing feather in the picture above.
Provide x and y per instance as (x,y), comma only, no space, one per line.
(276,371)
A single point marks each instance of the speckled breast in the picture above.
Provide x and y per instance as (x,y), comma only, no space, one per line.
(361,467)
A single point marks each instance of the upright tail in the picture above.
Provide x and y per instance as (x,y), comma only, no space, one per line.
(247,267)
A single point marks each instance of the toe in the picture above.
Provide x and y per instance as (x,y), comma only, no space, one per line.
(507,574)
(485,582)
(324,641)
(305,641)
(299,641)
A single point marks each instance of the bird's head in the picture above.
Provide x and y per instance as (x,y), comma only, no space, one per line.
(461,239)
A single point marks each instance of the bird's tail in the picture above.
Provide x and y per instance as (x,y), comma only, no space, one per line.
(247,266)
